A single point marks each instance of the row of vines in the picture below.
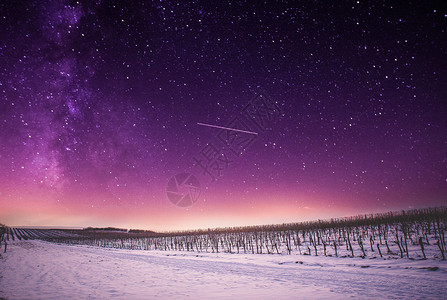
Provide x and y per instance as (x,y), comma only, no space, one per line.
(414,234)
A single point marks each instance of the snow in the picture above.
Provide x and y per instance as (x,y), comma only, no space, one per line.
(42,270)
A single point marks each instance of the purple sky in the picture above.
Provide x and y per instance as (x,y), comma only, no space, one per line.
(99,105)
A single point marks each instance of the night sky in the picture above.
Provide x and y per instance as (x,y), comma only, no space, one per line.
(100,100)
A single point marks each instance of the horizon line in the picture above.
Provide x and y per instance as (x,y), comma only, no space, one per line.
(374,214)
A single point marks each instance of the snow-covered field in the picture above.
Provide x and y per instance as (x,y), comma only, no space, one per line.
(42,270)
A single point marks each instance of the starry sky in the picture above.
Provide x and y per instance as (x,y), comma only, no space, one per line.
(100,100)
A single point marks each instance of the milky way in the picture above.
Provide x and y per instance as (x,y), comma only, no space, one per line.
(100,103)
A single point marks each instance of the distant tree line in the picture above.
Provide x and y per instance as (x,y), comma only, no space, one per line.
(105,229)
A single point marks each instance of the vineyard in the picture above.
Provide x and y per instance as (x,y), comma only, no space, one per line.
(13,234)
(390,255)
(414,234)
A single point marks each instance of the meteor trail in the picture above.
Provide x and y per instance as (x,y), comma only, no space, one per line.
(220,127)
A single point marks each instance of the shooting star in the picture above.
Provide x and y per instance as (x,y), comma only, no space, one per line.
(226,128)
